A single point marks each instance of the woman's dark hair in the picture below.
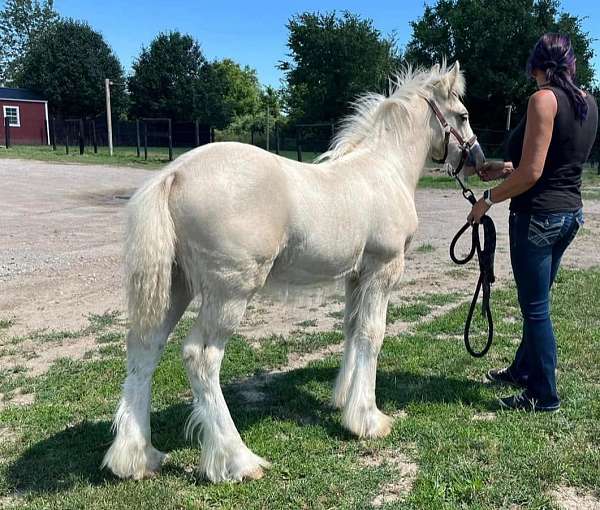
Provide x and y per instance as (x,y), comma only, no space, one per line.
(554,55)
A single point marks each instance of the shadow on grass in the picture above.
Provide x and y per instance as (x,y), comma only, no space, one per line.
(73,456)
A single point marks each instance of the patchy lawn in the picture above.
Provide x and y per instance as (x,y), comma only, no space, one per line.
(450,446)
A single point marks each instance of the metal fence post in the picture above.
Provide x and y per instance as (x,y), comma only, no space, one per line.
(170,141)
(81,140)
(277,138)
(197,127)
(94,139)
(212,134)
(137,137)
(67,139)
(53,133)
(145,140)
(298,147)
(7,132)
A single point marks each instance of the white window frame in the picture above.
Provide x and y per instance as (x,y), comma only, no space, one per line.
(18,124)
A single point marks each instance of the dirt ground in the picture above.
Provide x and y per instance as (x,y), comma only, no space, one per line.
(61,228)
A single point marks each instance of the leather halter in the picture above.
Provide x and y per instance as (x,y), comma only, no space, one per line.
(464,146)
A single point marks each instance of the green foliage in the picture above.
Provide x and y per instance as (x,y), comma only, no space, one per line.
(492,40)
(165,77)
(20,22)
(68,63)
(171,78)
(332,60)
(228,92)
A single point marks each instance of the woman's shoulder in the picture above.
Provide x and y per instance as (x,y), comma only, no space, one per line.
(543,95)
(542,102)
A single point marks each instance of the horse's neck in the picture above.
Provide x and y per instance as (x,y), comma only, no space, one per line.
(405,157)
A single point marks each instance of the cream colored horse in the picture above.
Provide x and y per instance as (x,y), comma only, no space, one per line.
(227,218)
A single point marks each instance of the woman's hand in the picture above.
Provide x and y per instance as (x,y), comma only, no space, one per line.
(493,170)
(478,211)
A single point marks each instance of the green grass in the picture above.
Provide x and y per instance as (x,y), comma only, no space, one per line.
(6,323)
(425,248)
(590,182)
(52,460)
(443,181)
(122,156)
(410,312)
(308,323)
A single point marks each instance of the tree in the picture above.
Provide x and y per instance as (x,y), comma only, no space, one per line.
(171,78)
(493,39)
(166,78)
(228,91)
(67,64)
(20,22)
(595,155)
(332,60)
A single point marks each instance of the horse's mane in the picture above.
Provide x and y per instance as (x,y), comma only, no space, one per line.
(372,110)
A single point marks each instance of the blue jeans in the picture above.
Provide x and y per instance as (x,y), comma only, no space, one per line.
(537,244)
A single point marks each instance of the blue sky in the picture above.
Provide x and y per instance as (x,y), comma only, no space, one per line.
(252,32)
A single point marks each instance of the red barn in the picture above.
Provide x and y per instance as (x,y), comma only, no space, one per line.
(28,116)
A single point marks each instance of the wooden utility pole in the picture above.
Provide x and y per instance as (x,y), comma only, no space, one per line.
(107,84)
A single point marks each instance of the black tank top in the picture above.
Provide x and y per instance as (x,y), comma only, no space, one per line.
(559,187)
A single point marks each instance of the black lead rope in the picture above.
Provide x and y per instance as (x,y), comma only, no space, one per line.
(485,257)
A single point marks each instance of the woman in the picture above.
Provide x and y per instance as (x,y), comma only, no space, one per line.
(547,151)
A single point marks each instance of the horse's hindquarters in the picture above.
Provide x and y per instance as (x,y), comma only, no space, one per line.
(230,222)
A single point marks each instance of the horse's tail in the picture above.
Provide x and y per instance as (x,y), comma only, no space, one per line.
(149,253)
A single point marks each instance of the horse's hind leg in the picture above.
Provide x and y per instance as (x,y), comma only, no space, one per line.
(131,454)
(224,456)
(342,384)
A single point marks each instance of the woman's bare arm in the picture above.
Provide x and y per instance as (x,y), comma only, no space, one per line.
(494,170)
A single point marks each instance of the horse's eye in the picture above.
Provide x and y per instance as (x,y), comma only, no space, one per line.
(465,117)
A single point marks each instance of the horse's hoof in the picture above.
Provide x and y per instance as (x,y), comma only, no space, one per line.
(132,461)
(232,466)
(373,424)
(383,429)
(153,466)
(255,474)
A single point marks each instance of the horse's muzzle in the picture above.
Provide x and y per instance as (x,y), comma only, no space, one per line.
(475,159)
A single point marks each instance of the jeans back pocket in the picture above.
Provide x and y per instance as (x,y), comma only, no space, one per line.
(545,229)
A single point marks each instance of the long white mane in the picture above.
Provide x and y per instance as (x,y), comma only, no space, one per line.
(372,111)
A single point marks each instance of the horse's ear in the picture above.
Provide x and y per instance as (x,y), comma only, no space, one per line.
(454,75)
(436,68)
(455,80)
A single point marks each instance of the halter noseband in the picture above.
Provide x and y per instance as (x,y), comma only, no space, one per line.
(464,146)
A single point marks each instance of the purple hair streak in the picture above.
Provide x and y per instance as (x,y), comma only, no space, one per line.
(553,54)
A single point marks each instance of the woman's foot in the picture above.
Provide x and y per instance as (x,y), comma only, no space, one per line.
(503,376)
(522,402)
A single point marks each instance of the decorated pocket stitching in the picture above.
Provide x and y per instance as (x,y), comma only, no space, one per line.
(542,234)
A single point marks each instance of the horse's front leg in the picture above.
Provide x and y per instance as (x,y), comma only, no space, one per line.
(344,378)
(360,414)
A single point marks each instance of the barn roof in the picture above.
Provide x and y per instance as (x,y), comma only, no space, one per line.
(20,94)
